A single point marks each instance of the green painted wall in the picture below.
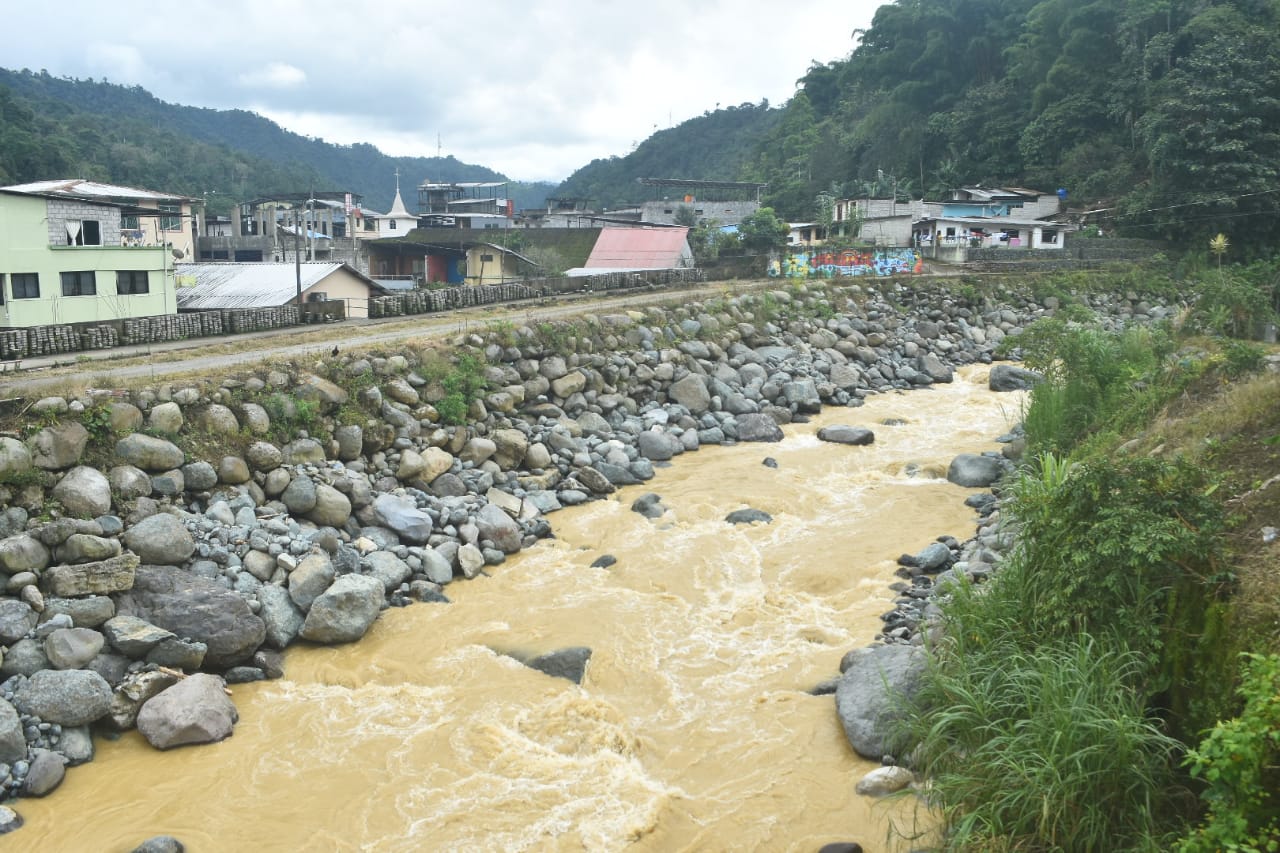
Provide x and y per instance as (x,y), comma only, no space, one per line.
(24,248)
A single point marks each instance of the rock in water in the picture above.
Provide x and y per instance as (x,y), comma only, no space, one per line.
(866,695)
(883,781)
(758,427)
(345,611)
(747,516)
(1009,377)
(570,663)
(195,710)
(974,471)
(841,434)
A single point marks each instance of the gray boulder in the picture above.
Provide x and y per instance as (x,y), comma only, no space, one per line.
(758,427)
(100,577)
(198,609)
(199,476)
(160,844)
(280,616)
(72,648)
(972,470)
(345,611)
(310,578)
(22,553)
(84,492)
(13,745)
(389,569)
(129,482)
(68,697)
(570,663)
(436,567)
(161,539)
(1010,377)
(149,454)
(933,367)
(134,637)
(841,434)
(195,710)
(60,446)
(166,418)
(332,508)
(46,772)
(658,446)
(691,392)
(300,495)
(16,619)
(868,691)
(748,516)
(498,527)
(402,516)
(15,458)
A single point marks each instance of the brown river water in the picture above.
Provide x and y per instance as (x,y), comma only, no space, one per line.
(692,730)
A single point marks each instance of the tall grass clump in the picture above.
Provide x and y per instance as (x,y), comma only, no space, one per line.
(1091,376)
(1049,713)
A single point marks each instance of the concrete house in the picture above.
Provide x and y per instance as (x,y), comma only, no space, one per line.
(206,287)
(162,219)
(67,259)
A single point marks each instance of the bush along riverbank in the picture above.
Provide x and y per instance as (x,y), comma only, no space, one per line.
(157,542)
(1112,683)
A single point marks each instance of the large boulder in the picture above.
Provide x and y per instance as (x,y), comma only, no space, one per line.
(658,446)
(933,367)
(84,493)
(13,745)
(310,578)
(198,609)
(100,577)
(498,527)
(512,445)
(389,569)
(345,611)
(691,392)
(402,516)
(22,553)
(60,446)
(149,454)
(332,508)
(166,418)
(758,427)
(972,470)
(868,693)
(72,648)
(842,434)
(282,618)
(161,539)
(1010,377)
(15,459)
(16,619)
(69,697)
(195,710)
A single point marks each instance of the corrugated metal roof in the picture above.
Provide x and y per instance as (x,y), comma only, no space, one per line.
(252,285)
(638,248)
(77,188)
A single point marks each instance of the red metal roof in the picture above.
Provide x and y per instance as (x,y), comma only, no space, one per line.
(638,248)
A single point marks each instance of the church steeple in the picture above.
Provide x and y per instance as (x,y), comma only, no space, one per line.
(397,207)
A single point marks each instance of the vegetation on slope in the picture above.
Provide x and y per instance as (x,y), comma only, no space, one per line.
(1123,664)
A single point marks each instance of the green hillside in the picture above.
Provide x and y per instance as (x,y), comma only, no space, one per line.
(55,127)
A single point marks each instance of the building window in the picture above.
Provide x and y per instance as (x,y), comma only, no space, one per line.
(172,222)
(128,223)
(486,259)
(84,232)
(132,282)
(79,283)
(391,225)
(1,288)
(26,285)
(1049,237)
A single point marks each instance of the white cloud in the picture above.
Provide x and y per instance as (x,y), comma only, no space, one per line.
(534,90)
(273,75)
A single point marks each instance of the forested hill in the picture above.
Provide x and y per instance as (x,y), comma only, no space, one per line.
(54,127)
(712,147)
(1170,109)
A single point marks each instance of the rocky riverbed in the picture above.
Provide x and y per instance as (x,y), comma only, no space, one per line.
(157,542)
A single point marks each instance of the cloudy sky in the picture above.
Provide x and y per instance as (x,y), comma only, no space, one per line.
(532,88)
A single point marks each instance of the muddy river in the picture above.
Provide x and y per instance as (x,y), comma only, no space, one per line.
(693,729)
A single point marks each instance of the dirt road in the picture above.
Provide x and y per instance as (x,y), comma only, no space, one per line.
(205,356)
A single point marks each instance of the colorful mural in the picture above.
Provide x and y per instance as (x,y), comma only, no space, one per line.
(850,262)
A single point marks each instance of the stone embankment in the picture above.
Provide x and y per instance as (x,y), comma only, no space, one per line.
(156,542)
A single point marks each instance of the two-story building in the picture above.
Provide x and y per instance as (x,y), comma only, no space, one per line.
(70,260)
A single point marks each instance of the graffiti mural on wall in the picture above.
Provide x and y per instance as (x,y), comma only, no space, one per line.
(848,262)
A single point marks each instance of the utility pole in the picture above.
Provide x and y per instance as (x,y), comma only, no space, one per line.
(297,257)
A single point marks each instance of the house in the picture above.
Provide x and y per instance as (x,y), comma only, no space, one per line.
(160,219)
(318,226)
(718,202)
(456,255)
(476,205)
(803,234)
(488,263)
(212,286)
(623,248)
(398,220)
(67,259)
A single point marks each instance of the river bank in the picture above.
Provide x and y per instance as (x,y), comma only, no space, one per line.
(363,497)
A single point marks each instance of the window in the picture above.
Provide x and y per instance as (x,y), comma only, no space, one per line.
(26,285)
(79,283)
(1049,237)
(84,232)
(485,259)
(128,223)
(132,282)
(391,225)
(172,222)
(1,288)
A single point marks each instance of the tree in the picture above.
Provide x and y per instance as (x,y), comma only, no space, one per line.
(762,231)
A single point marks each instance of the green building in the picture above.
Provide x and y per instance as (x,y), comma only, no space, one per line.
(63,260)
